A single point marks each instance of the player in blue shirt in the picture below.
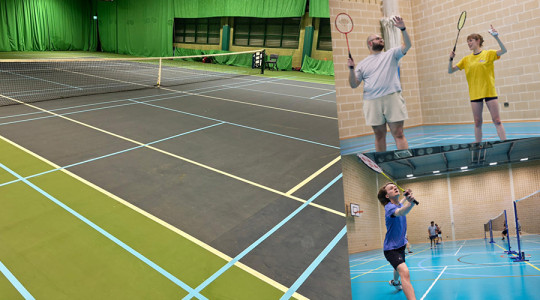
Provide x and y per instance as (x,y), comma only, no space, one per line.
(396,229)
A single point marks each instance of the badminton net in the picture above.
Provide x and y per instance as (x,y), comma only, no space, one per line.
(27,81)
(527,213)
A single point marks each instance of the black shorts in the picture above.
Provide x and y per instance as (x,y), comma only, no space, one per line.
(505,231)
(432,237)
(482,99)
(395,256)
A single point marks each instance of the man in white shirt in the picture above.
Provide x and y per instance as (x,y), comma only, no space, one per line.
(383,103)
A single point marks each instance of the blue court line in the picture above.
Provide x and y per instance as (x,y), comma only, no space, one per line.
(108,235)
(174,110)
(110,154)
(314,265)
(259,241)
(26,295)
(39,79)
(238,125)
(332,92)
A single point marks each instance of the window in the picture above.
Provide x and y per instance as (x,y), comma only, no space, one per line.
(324,41)
(271,32)
(197,31)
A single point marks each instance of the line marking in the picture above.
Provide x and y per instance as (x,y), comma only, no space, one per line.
(458,250)
(425,294)
(317,173)
(22,290)
(181,158)
(212,97)
(518,255)
(387,264)
(108,235)
(260,240)
(170,227)
(314,265)
(110,154)
(314,97)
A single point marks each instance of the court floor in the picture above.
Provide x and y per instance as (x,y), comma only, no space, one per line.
(245,174)
(467,269)
(440,135)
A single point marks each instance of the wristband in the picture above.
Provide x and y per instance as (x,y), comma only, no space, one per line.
(351,67)
(403,29)
(451,58)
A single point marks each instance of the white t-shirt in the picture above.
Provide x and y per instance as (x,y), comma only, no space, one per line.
(380,73)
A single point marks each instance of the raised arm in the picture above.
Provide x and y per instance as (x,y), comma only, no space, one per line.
(451,67)
(353,81)
(495,35)
(407,204)
(398,22)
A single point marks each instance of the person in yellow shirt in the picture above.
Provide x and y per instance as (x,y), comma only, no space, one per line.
(479,71)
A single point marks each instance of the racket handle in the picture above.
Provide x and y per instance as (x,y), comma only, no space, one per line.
(454,49)
(406,194)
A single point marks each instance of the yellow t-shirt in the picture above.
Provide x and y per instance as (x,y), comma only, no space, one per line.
(480,73)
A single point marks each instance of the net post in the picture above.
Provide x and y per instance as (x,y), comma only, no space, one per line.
(491,232)
(507,235)
(159,74)
(521,255)
(263,60)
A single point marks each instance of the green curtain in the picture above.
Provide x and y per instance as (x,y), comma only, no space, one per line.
(106,12)
(145,28)
(314,66)
(241,60)
(37,25)
(239,8)
(284,62)
(319,9)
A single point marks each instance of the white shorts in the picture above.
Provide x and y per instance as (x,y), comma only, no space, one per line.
(386,109)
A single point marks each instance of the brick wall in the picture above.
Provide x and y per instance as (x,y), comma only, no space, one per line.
(433,96)
(469,198)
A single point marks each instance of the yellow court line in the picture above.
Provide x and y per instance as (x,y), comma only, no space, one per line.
(181,158)
(369,271)
(161,222)
(381,266)
(301,184)
(207,96)
(252,104)
(518,255)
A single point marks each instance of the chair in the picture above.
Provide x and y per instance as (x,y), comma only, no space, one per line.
(271,63)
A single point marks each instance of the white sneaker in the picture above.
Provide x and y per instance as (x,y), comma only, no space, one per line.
(396,285)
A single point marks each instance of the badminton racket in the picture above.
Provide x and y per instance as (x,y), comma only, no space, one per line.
(344,24)
(375,167)
(460,24)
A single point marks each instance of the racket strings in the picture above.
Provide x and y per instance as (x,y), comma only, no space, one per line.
(344,23)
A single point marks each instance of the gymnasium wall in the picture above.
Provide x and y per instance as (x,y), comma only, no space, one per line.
(459,203)
(433,96)
(366,15)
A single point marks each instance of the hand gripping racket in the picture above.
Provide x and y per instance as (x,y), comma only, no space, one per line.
(372,165)
(344,24)
(460,24)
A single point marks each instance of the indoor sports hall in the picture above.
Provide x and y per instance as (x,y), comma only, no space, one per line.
(471,202)
(437,102)
(167,178)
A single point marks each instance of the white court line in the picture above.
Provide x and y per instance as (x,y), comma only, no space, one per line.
(459,248)
(423,297)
